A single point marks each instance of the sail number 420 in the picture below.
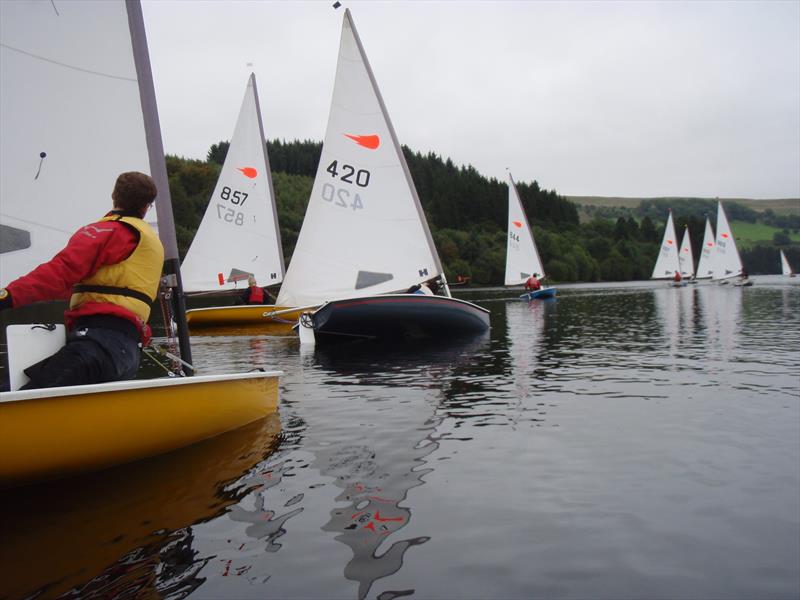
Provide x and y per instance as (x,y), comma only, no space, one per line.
(348,171)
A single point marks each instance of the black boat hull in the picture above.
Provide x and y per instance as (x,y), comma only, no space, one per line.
(398,317)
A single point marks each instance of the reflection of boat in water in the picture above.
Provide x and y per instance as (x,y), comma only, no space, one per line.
(114,530)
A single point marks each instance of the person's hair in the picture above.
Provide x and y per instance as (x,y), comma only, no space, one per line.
(134,192)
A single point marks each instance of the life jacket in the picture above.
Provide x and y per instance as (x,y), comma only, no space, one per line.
(256,295)
(132,283)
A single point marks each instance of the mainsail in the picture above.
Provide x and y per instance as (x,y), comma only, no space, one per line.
(726,260)
(364,231)
(685,257)
(522,257)
(785,268)
(667,263)
(239,234)
(705,268)
(57,172)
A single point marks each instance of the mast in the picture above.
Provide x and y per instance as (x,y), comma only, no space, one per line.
(158,171)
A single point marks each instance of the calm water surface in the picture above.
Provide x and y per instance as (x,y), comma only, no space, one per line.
(627,441)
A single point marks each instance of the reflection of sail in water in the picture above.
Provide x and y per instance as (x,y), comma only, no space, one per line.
(126,531)
(525,327)
(668,309)
(721,308)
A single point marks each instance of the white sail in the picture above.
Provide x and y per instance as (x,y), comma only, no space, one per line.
(785,268)
(522,257)
(685,256)
(57,173)
(667,263)
(239,234)
(726,259)
(364,231)
(705,267)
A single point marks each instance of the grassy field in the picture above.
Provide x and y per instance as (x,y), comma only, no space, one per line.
(784,206)
(747,234)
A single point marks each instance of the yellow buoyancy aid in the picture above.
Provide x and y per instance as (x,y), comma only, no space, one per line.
(132,283)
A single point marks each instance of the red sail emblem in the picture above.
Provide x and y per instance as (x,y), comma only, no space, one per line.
(669,242)
(517,224)
(248,172)
(368,141)
(710,244)
(725,235)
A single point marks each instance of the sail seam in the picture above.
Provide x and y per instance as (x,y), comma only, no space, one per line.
(74,68)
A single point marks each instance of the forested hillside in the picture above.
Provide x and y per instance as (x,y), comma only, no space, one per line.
(467,215)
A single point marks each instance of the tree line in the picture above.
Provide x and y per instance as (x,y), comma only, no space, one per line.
(467,214)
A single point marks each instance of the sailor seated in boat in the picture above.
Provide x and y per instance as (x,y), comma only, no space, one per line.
(254,294)
(110,271)
(533,283)
(677,277)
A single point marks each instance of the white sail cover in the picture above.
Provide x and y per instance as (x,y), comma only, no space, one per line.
(685,257)
(364,231)
(785,268)
(726,259)
(522,257)
(667,263)
(239,234)
(705,267)
(71,119)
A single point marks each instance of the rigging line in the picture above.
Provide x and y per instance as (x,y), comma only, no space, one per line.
(74,68)
(53,2)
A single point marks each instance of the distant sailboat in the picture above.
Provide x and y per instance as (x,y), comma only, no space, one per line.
(239,236)
(522,256)
(705,268)
(685,256)
(727,264)
(785,268)
(668,263)
(365,241)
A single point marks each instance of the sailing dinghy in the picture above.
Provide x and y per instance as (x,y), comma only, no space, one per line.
(668,263)
(239,236)
(785,268)
(77,107)
(686,258)
(365,240)
(705,267)
(522,256)
(726,263)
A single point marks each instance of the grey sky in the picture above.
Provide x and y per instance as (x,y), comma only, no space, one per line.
(588,98)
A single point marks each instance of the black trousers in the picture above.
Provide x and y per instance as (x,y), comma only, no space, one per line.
(91,355)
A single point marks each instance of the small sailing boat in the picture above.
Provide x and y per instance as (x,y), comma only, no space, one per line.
(686,258)
(785,268)
(705,267)
(726,263)
(239,236)
(522,257)
(365,241)
(668,264)
(77,107)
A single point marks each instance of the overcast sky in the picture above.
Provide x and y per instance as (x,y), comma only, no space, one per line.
(588,98)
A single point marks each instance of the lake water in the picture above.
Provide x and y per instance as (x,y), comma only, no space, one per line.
(622,441)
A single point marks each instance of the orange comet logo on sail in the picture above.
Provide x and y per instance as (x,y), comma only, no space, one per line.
(517,224)
(725,235)
(710,244)
(248,172)
(368,141)
(669,242)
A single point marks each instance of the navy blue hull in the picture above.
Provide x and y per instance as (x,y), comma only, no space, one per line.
(399,317)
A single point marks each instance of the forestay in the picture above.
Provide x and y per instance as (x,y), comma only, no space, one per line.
(667,263)
(726,258)
(685,256)
(705,268)
(58,173)
(364,231)
(239,234)
(522,257)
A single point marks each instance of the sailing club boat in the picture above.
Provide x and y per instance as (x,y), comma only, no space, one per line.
(239,236)
(705,267)
(685,257)
(365,241)
(77,107)
(726,262)
(522,257)
(668,263)
(785,268)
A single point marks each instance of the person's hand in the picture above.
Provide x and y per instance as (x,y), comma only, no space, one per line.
(5,299)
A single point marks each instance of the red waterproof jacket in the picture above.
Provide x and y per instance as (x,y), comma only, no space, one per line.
(89,248)
(256,295)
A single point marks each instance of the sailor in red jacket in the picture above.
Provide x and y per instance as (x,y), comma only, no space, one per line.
(110,271)
(533,283)
(254,294)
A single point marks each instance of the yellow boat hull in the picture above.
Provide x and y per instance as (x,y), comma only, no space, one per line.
(56,432)
(256,316)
